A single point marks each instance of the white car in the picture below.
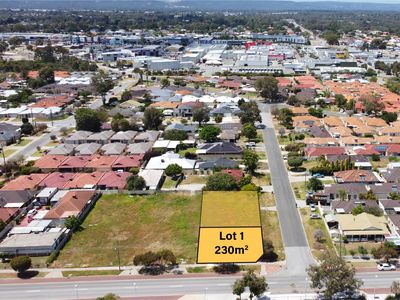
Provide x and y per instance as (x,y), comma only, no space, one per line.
(386,267)
(312,207)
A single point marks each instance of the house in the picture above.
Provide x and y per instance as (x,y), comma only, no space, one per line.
(113,149)
(49,163)
(357,176)
(390,207)
(394,225)
(225,109)
(229,136)
(73,203)
(321,142)
(11,201)
(100,163)
(87,149)
(219,163)
(78,137)
(113,180)
(363,227)
(315,152)
(390,131)
(125,137)
(346,207)
(127,162)
(343,192)
(38,243)
(299,111)
(45,195)
(101,137)
(74,163)
(219,150)
(236,173)
(393,150)
(341,131)
(319,132)
(392,175)
(147,136)
(84,181)
(153,178)
(9,133)
(62,149)
(139,148)
(169,158)
(351,141)
(25,182)
(382,190)
(165,145)
(188,128)
(186,109)
(56,180)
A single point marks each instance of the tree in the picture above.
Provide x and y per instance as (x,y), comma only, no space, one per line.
(250,160)
(389,117)
(295,162)
(357,210)
(221,182)
(314,184)
(372,105)
(316,112)
(136,183)
(87,119)
(72,222)
(27,128)
(331,37)
(119,123)
(238,288)
(47,74)
(340,101)
(102,83)
(257,285)
(285,117)
(21,264)
(173,170)
(209,133)
(126,95)
(249,113)
(3,47)
(333,275)
(319,235)
(109,296)
(249,131)
(201,115)
(386,251)
(152,118)
(267,87)
(395,289)
(164,82)
(2,225)
(269,252)
(342,194)
(218,119)
(175,135)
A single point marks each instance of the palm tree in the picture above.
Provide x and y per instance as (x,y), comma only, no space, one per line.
(342,195)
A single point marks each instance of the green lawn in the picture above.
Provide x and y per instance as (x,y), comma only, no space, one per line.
(230,209)
(23,143)
(169,183)
(9,152)
(190,150)
(90,273)
(198,179)
(37,154)
(310,226)
(134,224)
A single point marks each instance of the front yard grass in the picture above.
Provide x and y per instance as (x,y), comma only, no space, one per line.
(310,226)
(90,273)
(169,183)
(272,231)
(348,247)
(134,224)
(195,179)
(299,190)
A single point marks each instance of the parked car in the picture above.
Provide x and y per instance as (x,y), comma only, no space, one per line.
(32,212)
(251,145)
(312,207)
(386,267)
(260,126)
(315,216)
(318,175)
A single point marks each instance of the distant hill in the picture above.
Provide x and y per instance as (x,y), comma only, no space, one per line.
(209,5)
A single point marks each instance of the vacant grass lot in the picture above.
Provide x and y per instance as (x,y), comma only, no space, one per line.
(134,224)
(299,190)
(230,209)
(272,231)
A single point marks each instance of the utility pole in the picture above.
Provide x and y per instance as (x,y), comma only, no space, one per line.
(118,255)
(4,159)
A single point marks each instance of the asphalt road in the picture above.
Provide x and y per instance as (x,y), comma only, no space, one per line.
(78,289)
(298,255)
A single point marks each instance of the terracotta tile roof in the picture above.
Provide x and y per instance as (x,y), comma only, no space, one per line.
(50,161)
(53,101)
(318,151)
(33,74)
(355,176)
(83,180)
(101,161)
(342,131)
(238,174)
(353,122)
(128,161)
(7,213)
(114,180)
(165,105)
(61,74)
(333,121)
(393,149)
(75,162)
(390,130)
(320,141)
(353,140)
(367,150)
(385,139)
(56,180)
(25,182)
(375,122)
(71,204)
(299,111)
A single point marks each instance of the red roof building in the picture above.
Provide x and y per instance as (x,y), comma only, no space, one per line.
(56,180)
(101,162)
(49,163)
(127,162)
(84,180)
(238,174)
(325,151)
(74,163)
(25,182)
(114,180)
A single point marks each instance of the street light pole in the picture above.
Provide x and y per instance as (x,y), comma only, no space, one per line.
(119,257)
(205,293)
(76,291)
(305,294)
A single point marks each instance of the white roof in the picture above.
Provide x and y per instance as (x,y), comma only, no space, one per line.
(152,177)
(169,158)
(14,205)
(46,192)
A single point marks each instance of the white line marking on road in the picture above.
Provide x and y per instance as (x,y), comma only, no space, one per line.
(33,291)
(176,286)
(223,284)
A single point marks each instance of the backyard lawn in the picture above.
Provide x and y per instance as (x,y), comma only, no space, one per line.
(195,179)
(134,224)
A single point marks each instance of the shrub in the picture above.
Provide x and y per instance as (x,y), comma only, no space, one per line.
(21,264)
(173,170)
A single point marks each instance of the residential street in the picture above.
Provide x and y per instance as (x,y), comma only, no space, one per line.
(298,255)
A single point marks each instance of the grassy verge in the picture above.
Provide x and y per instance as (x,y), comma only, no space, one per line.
(267,200)
(272,231)
(23,143)
(312,225)
(90,273)
(299,190)
(29,274)
(134,225)
(52,144)
(198,270)
(262,179)
(9,152)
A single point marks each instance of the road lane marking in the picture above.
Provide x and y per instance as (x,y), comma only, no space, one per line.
(175,286)
(33,291)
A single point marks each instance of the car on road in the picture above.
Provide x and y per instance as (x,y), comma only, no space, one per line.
(315,216)
(260,126)
(386,267)
(318,175)
(312,207)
